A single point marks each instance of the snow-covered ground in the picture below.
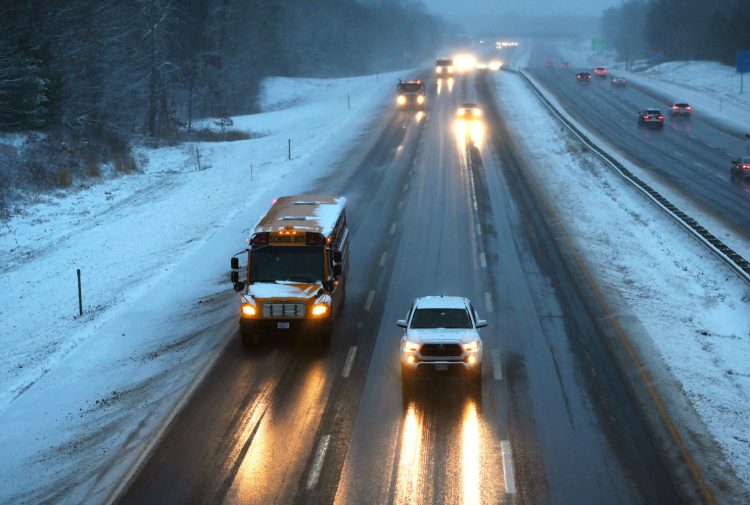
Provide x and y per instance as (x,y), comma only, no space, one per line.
(79,396)
(689,307)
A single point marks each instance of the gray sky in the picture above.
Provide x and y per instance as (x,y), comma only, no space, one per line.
(466,11)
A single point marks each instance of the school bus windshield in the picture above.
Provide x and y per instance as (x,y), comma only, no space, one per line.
(295,264)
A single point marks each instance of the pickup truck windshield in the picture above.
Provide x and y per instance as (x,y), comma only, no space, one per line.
(440,318)
(296,264)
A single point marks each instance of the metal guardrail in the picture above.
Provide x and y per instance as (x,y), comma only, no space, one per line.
(734,260)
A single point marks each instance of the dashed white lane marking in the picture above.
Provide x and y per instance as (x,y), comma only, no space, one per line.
(497,372)
(510,481)
(697,163)
(320,456)
(349,361)
(393,229)
(400,204)
(368,303)
(483,260)
(406,186)
(479,230)
(382,258)
(488,301)
(712,146)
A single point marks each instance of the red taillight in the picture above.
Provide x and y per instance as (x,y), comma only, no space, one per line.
(675,107)
(745,167)
(645,117)
(260,239)
(688,107)
(661,117)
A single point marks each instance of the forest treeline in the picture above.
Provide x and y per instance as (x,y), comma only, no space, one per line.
(89,75)
(678,29)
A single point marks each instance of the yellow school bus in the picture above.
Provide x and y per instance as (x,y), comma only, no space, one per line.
(297,264)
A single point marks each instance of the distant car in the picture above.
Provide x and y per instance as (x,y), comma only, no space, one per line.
(600,72)
(444,67)
(651,117)
(618,82)
(469,110)
(583,77)
(741,168)
(680,109)
(441,332)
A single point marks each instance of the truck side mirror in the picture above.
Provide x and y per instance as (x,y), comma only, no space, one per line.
(401,323)
(235,263)
(239,286)
(235,276)
(337,270)
(481,323)
(337,256)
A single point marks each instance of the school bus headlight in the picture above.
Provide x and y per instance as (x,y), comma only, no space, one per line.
(411,346)
(320,309)
(248,310)
(401,100)
(471,346)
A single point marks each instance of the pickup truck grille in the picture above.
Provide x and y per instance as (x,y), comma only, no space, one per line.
(442,350)
(287,310)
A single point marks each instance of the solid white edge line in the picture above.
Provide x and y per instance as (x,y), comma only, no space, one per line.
(320,456)
(488,301)
(159,433)
(382,258)
(483,260)
(497,371)
(510,481)
(349,361)
(368,302)
(478,230)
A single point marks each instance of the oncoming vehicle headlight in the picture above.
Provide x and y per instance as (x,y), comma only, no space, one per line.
(471,346)
(450,69)
(320,309)
(248,310)
(461,112)
(476,112)
(420,99)
(411,346)
(439,69)
(401,99)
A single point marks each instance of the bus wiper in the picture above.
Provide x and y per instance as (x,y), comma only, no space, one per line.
(300,278)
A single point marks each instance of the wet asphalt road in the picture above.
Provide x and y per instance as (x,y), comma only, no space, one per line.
(434,208)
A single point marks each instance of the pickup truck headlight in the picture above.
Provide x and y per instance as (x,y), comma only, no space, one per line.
(420,99)
(471,346)
(401,99)
(411,346)
(248,310)
(320,309)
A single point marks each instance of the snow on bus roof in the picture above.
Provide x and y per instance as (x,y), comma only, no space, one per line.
(313,213)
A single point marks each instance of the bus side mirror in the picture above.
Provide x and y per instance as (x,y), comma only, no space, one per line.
(481,323)
(235,276)
(337,256)
(235,263)
(239,286)
(337,270)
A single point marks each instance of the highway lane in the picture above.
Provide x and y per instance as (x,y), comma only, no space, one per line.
(553,422)
(690,154)
(246,435)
